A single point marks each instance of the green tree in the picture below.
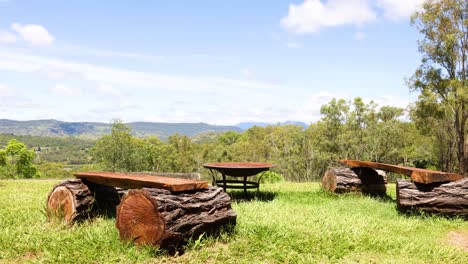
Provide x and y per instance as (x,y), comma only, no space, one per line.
(441,78)
(17,161)
(116,152)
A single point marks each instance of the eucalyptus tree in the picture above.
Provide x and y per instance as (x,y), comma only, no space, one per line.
(441,78)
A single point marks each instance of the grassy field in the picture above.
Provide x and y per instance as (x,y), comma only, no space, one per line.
(292,223)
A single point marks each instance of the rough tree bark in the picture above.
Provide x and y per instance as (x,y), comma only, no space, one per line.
(359,179)
(167,219)
(447,199)
(75,200)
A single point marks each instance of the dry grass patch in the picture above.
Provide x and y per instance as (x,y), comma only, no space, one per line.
(459,239)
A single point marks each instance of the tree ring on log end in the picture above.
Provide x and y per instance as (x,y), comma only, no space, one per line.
(61,204)
(138,219)
(329,181)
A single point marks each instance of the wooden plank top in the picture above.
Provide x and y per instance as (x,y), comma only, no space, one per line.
(416,174)
(137,181)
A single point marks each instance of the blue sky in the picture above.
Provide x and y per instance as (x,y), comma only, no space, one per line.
(219,62)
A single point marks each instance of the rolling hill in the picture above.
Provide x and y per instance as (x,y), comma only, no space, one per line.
(55,128)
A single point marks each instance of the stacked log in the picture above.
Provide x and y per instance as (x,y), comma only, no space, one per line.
(446,199)
(167,219)
(75,200)
(359,179)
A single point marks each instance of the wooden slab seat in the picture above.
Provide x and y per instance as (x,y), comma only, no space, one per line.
(138,181)
(417,175)
(151,210)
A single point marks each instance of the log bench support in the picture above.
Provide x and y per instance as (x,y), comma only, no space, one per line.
(359,179)
(445,199)
(75,200)
(159,217)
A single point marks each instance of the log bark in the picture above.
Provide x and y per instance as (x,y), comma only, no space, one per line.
(75,200)
(359,179)
(167,219)
(446,199)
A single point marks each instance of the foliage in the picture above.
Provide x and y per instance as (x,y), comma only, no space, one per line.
(442,107)
(347,130)
(70,150)
(53,170)
(16,161)
(271,177)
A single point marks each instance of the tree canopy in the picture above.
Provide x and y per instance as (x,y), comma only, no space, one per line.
(442,79)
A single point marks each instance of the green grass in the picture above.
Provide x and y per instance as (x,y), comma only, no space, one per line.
(291,223)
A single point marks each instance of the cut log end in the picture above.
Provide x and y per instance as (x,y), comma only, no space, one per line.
(168,219)
(61,204)
(75,200)
(329,181)
(138,219)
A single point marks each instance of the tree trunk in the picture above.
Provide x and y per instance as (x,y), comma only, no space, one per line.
(359,179)
(160,217)
(448,199)
(75,200)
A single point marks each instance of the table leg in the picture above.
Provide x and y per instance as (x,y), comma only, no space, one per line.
(224,182)
(245,186)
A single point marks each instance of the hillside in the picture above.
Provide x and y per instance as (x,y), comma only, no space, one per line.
(247,125)
(55,128)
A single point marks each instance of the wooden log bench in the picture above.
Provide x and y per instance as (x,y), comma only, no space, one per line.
(431,192)
(416,174)
(149,209)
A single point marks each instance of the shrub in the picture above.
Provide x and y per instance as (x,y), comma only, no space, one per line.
(271,177)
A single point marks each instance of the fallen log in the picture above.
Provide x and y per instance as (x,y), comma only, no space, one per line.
(446,199)
(163,218)
(75,200)
(359,179)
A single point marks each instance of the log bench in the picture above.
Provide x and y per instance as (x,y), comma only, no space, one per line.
(154,210)
(431,192)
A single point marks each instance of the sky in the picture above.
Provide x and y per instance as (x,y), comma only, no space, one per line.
(217,62)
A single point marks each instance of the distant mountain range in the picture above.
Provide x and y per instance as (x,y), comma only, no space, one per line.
(247,125)
(54,128)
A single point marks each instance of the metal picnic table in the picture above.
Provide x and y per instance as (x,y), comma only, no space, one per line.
(238,169)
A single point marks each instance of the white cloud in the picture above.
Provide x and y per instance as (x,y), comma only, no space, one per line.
(26,63)
(108,90)
(7,37)
(359,35)
(399,9)
(5,91)
(64,90)
(294,45)
(11,101)
(35,35)
(312,15)
(247,72)
(104,53)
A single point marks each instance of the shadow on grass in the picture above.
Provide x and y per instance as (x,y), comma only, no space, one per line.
(264,196)
(385,198)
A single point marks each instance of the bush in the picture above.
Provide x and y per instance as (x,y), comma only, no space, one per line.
(271,177)
(53,170)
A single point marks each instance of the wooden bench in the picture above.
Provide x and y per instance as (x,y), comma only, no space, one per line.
(417,175)
(138,181)
(431,192)
(149,209)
